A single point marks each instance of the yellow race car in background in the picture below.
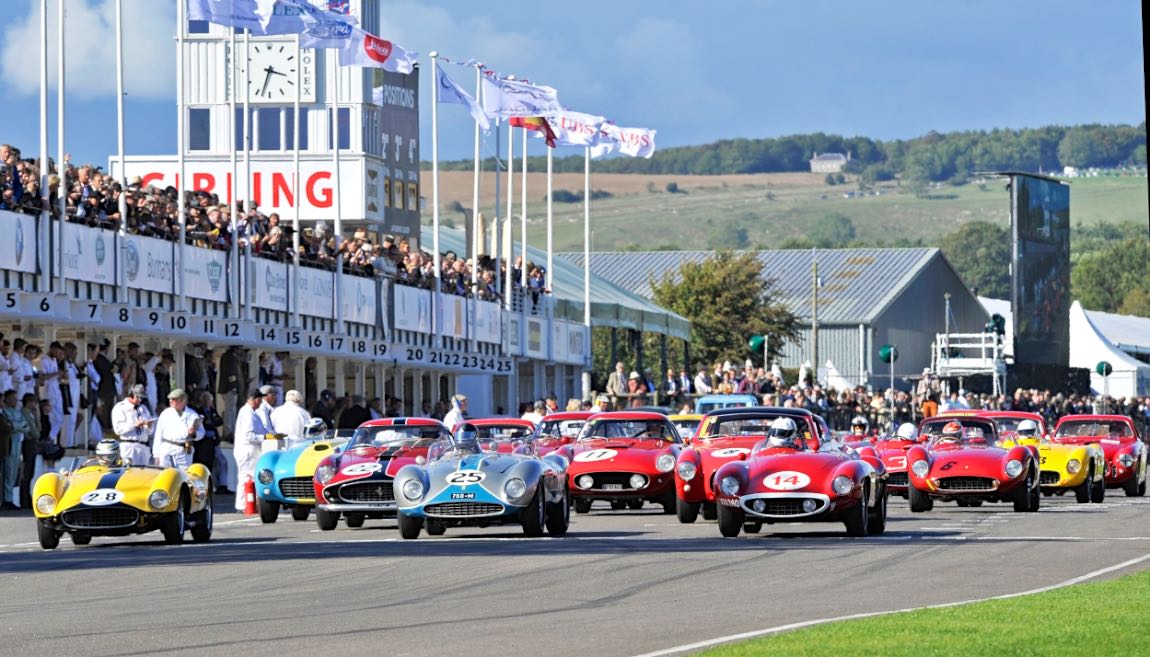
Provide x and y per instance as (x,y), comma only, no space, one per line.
(686,423)
(1062,468)
(118,500)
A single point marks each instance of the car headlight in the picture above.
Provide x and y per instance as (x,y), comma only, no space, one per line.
(687,471)
(514,488)
(46,504)
(730,485)
(637,481)
(585,482)
(1013,468)
(413,489)
(265,476)
(1126,460)
(1073,466)
(843,484)
(324,473)
(920,468)
(665,462)
(159,499)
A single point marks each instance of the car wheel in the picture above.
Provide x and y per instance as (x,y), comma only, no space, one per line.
(300,512)
(409,527)
(919,500)
(49,537)
(202,530)
(710,511)
(558,516)
(354,520)
(436,528)
(582,505)
(269,511)
(175,524)
(730,521)
(532,517)
(1084,491)
(1023,495)
(80,538)
(326,520)
(752,527)
(688,512)
(1098,493)
(618,505)
(1132,487)
(856,521)
(635,504)
(1141,488)
(876,524)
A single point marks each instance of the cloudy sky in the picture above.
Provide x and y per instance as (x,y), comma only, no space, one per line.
(694,71)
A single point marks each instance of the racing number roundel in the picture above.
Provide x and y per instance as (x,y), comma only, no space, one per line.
(786,480)
(465,477)
(592,455)
(730,452)
(102,497)
(358,469)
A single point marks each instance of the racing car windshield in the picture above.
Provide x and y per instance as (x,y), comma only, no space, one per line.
(1093,428)
(740,427)
(973,432)
(397,436)
(686,427)
(636,429)
(560,428)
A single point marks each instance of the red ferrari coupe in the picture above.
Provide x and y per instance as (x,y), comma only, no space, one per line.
(502,435)
(1120,441)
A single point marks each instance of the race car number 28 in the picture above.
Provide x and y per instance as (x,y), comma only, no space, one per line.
(102,497)
(465,477)
(595,455)
(786,480)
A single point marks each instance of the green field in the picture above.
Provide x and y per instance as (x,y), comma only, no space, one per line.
(771,208)
(1095,620)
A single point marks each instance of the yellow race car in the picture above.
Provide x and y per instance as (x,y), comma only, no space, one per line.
(687,424)
(107,498)
(1080,468)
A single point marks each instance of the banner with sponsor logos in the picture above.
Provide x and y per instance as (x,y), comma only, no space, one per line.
(149,264)
(316,292)
(205,273)
(488,322)
(358,299)
(412,309)
(536,343)
(89,253)
(18,246)
(270,285)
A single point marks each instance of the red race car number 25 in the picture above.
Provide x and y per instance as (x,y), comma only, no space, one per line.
(786,480)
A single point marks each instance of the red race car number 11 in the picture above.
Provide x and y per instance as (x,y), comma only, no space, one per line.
(786,480)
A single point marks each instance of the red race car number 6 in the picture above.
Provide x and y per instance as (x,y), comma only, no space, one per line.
(786,480)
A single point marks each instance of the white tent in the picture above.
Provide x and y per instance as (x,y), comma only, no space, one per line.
(835,378)
(1089,346)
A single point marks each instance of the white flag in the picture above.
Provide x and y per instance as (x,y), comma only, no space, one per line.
(366,49)
(511,98)
(449,92)
(250,14)
(636,142)
(575,128)
(303,17)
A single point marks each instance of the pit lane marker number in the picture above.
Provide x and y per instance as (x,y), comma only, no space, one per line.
(102,497)
(593,455)
(359,469)
(730,452)
(465,477)
(786,480)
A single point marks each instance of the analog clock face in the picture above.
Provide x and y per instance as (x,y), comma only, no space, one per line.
(275,69)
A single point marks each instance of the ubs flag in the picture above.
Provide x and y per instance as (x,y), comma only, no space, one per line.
(398,96)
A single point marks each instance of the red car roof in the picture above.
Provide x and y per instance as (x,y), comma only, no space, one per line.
(500,422)
(568,415)
(629,415)
(1096,418)
(403,421)
(1022,415)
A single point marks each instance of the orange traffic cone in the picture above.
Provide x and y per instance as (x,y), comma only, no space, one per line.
(249,497)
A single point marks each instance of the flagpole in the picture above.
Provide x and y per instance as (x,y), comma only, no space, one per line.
(234,187)
(476,226)
(123,205)
(587,263)
(181,140)
(338,312)
(550,237)
(496,234)
(248,195)
(61,168)
(523,218)
(436,258)
(42,230)
(296,200)
(510,207)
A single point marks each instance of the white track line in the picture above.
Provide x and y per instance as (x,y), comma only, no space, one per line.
(795,626)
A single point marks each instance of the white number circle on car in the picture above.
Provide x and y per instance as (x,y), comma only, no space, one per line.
(465,477)
(730,452)
(102,497)
(595,455)
(786,480)
(358,469)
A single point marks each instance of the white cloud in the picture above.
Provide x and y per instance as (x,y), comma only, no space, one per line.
(90,54)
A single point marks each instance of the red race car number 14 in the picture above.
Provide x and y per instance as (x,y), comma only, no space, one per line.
(786,480)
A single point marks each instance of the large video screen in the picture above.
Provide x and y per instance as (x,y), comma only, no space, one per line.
(1040,220)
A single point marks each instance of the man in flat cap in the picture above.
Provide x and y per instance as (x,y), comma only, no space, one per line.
(132,422)
(176,429)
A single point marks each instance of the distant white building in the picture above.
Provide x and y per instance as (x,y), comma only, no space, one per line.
(829,162)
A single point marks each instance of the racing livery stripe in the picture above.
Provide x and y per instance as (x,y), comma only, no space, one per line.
(110,479)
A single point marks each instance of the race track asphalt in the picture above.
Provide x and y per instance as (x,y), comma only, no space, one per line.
(621,583)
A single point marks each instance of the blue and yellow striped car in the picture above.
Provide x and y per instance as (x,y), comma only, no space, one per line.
(284,477)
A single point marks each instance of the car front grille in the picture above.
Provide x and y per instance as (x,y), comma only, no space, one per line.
(966,484)
(1048,478)
(297,487)
(463,509)
(614,481)
(106,518)
(784,506)
(897,479)
(368,492)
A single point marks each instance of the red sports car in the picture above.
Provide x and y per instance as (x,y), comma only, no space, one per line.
(788,479)
(1120,441)
(625,458)
(557,430)
(357,483)
(502,435)
(959,461)
(726,435)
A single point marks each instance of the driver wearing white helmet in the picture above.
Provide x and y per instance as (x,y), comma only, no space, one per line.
(108,454)
(314,428)
(907,431)
(1027,429)
(860,427)
(783,433)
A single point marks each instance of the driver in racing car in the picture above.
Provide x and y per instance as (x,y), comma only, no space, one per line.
(907,431)
(860,427)
(951,433)
(1027,429)
(314,429)
(107,454)
(783,434)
